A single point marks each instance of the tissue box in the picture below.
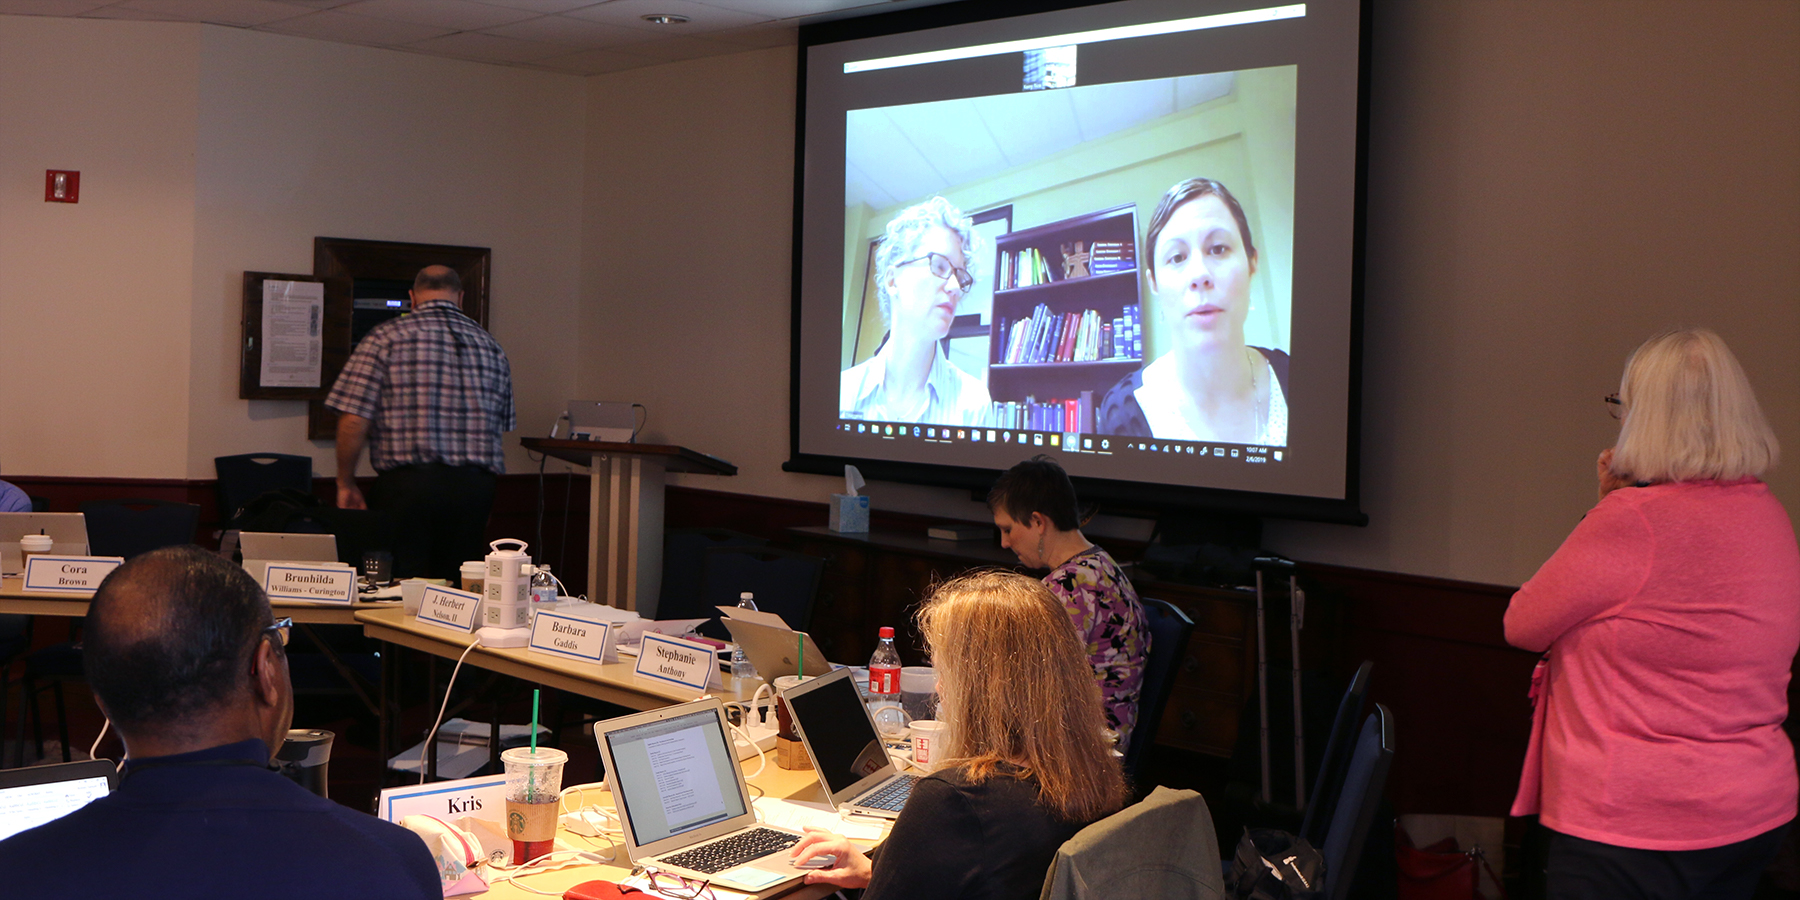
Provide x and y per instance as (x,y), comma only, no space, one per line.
(849,513)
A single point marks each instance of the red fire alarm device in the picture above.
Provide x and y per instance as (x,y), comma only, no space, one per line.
(62,187)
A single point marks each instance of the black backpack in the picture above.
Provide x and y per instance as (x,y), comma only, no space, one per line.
(1275,865)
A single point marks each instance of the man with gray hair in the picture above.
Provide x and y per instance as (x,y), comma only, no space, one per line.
(190,666)
(431,394)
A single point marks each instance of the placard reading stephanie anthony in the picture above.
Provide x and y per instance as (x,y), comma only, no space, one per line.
(582,639)
(683,662)
(450,608)
(68,574)
(324,584)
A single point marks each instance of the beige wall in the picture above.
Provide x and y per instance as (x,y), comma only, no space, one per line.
(1549,183)
(95,296)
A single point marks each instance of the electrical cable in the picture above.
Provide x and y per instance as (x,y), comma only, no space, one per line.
(95,748)
(431,735)
(640,425)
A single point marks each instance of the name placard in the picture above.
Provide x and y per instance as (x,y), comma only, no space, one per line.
(324,584)
(569,637)
(682,662)
(68,574)
(483,797)
(449,608)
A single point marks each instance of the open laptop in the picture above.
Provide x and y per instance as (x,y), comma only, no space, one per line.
(264,547)
(33,796)
(594,420)
(776,651)
(683,803)
(840,738)
(67,531)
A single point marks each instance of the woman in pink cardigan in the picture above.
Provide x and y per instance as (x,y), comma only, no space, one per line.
(1671,616)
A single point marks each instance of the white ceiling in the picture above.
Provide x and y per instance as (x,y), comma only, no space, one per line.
(583,37)
(902,153)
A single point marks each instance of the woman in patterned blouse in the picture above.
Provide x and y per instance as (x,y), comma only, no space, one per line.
(1035,509)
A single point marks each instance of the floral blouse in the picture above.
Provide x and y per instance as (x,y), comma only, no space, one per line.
(1110,623)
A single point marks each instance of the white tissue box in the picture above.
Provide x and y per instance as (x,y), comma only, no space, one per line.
(849,513)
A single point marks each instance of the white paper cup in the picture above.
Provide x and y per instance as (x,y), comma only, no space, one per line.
(412,594)
(31,545)
(927,743)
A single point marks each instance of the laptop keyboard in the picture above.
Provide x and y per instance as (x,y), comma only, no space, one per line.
(733,851)
(890,796)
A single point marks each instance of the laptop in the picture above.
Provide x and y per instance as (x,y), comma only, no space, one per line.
(264,547)
(67,531)
(776,651)
(683,803)
(845,750)
(594,420)
(33,796)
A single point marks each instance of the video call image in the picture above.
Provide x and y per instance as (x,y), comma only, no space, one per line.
(1111,259)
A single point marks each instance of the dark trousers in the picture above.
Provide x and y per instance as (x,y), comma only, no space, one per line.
(1580,869)
(439,514)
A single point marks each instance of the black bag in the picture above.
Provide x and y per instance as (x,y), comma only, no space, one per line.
(1275,865)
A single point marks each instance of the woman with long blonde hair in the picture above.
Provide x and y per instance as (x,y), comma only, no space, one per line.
(1026,762)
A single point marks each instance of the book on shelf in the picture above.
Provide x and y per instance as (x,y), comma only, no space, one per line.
(1069,415)
(1049,337)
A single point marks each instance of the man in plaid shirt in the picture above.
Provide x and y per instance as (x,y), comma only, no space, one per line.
(431,393)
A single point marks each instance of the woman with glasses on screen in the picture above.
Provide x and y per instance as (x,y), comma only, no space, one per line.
(1210,385)
(923,268)
(1668,620)
(1025,763)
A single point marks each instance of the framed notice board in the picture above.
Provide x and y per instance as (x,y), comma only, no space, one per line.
(286,329)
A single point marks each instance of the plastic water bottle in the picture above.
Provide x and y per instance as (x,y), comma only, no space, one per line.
(740,664)
(884,687)
(543,588)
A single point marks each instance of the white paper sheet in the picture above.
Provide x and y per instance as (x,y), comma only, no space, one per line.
(293,320)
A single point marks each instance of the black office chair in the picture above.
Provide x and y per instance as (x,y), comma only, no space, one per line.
(1364,780)
(684,564)
(39,504)
(784,582)
(15,639)
(129,527)
(246,476)
(1169,630)
(1329,783)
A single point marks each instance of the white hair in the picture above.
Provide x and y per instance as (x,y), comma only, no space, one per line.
(904,232)
(1689,413)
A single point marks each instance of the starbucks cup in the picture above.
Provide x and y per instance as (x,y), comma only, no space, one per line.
(533,785)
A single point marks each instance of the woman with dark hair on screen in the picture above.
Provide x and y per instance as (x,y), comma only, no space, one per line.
(1210,385)
(925,265)
(1670,617)
(1026,765)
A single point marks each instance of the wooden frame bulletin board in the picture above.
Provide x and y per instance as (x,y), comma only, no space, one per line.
(250,343)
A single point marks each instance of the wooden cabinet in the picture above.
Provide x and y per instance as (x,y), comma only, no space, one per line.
(879,579)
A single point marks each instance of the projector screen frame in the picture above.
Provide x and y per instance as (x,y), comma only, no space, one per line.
(1122,495)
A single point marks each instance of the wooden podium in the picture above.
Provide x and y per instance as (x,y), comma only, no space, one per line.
(625,512)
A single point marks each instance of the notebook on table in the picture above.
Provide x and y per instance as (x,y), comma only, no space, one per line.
(845,749)
(683,802)
(32,796)
(67,531)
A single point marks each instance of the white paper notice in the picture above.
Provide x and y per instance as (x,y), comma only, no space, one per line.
(684,779)
(293,320)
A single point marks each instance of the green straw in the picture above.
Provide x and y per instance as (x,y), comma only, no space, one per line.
(535,692)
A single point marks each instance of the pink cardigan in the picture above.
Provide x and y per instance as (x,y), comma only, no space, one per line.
(1672,615)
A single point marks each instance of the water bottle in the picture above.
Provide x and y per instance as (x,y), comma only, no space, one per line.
(740,664)
(884,687)
(543,587)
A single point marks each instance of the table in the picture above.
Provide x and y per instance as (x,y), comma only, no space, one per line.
(774,781)
(16,600)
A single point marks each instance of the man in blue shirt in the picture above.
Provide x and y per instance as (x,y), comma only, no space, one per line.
(12,499)
(188,662)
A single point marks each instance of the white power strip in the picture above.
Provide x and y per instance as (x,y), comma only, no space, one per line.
(763,734)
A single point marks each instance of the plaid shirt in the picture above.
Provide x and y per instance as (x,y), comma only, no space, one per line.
(434,386)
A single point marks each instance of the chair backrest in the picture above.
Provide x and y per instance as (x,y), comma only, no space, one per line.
(1162,846)
(40,504)
(129,527)
(246,476)
(684,563)
(1330,781)
(1169,630)
(783,581)
(1364,781)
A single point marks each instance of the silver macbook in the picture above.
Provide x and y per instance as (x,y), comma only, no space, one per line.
(683,802)
(32,796)
(594,420)
(840,738)
(776,651)
(264,547)
(67,531)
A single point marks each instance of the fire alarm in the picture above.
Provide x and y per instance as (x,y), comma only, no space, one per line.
(61,186)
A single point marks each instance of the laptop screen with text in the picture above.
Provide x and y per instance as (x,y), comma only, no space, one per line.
(675,775)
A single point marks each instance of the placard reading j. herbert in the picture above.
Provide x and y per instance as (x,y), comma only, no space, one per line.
(673,659)
(449,608)
(323,584)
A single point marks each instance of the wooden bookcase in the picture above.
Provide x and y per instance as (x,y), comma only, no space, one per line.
(1107,295)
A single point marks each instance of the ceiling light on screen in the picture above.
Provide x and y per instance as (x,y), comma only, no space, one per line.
(665,19)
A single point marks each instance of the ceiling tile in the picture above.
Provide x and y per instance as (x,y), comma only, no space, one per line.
(702,19)
(487,48)
(596,62)
(572,33)
(317,4)
(755,37)
(351,29)
(459,15)
(542,6)
(242,13)
(791,9)
(49,7)
(674,48)
(138,15)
